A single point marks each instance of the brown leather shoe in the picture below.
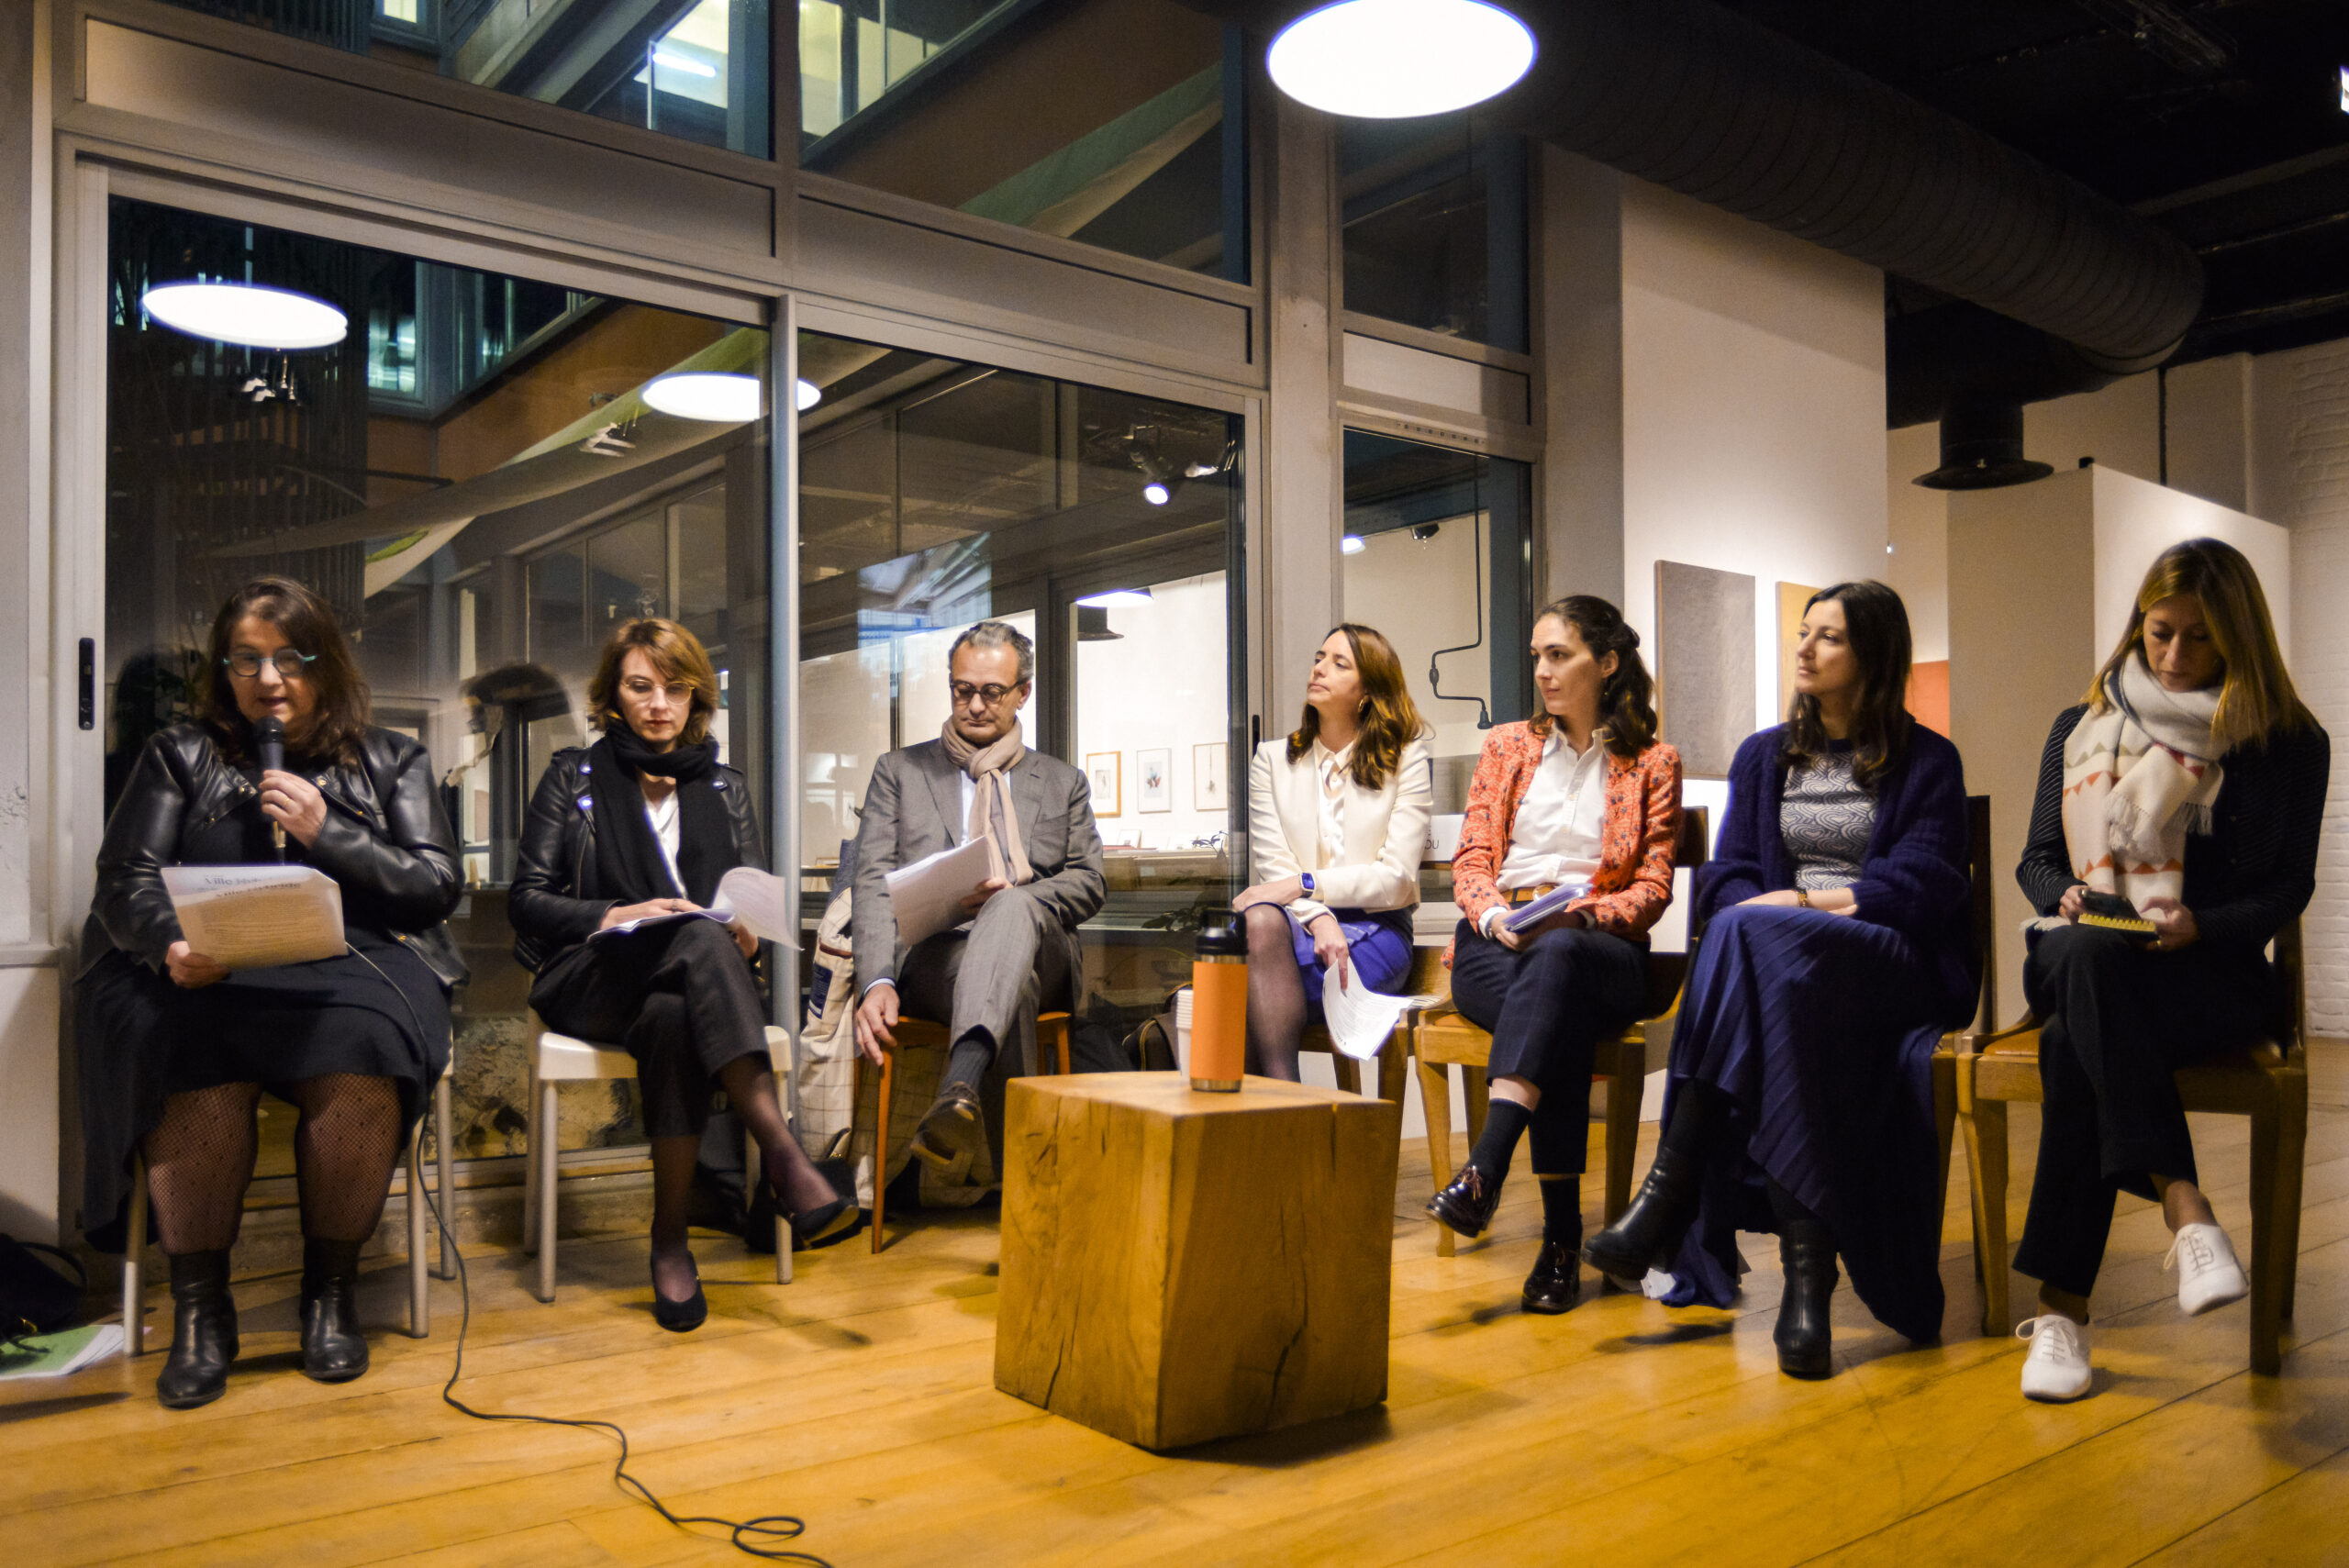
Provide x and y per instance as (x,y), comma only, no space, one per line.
(1468,1204)
(1556,1284)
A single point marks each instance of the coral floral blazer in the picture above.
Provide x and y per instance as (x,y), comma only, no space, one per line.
(1638,837)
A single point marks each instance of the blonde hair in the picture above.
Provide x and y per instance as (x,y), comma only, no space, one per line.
(2256,697)
(676,655)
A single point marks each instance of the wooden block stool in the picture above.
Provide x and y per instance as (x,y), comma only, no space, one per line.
(1181,1266)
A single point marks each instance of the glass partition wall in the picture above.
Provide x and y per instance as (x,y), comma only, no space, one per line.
(934,493)
(472,476)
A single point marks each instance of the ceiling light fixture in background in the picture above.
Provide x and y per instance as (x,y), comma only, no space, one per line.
(246,314)
(1352,545)
(1398,58)
(721,397)
(807,393)
(1114,598)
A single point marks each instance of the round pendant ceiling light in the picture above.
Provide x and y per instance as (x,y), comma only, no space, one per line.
(721,397)
(246,314)
(1390,59)
(808,394)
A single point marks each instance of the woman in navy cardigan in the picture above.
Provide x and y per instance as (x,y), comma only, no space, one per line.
(1837,951)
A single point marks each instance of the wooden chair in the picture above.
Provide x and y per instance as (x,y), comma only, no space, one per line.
(1441,1039)
(560,1059)
(2268,1082)
(1427,977)
(921,1034)
(419,1301)
(1986,1011)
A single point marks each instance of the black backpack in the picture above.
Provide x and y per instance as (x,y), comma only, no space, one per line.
(34,1297)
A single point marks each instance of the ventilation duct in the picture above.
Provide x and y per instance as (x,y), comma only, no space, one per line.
(1700,100)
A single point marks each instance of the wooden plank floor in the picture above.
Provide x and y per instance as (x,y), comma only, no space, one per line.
(862,1398)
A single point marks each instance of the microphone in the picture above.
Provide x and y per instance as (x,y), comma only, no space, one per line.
(269,740)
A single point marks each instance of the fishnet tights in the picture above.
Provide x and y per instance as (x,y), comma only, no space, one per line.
(200,1159)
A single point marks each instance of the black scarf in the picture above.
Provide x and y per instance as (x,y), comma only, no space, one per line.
(628,862)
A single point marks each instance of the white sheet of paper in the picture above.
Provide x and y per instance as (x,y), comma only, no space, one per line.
(257,916)
(756,898)
(1361,1020)
(927,894)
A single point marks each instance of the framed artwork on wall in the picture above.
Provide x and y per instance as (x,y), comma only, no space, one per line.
(1210,776)
(1703,668)
(1106,772)
(1155,791)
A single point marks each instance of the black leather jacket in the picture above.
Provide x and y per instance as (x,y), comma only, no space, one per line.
(385,841)
(556,902)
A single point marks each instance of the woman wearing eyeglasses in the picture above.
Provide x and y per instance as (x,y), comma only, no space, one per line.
(175,1050)
(638,826)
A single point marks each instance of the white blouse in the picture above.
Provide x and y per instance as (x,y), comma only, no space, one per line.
(1555,836)
(1330,768)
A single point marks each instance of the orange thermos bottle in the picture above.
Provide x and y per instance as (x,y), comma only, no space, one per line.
(1219,1003)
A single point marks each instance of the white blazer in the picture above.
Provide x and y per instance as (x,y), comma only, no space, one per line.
(1386,830)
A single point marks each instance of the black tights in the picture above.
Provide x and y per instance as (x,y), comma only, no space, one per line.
(798,1185)
(1276,1001)
(200,1159)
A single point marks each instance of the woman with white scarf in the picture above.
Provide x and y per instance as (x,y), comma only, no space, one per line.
(2191,783)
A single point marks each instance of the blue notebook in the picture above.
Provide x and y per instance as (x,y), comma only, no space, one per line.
(1525,917)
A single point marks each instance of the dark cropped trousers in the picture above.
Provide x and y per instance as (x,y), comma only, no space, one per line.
(1547,1005)
(680,997)
(2117,1022)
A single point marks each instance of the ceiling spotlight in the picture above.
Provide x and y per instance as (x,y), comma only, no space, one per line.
(1156,492)
(1115,598)
(246,314)
(719,397)
(1398,58)
(807,393)
(1352,545)
(1426,531)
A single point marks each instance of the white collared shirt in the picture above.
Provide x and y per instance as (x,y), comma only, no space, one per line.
(1555,836)
(1329,801)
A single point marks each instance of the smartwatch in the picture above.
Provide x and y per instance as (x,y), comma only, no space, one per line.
(1305,880)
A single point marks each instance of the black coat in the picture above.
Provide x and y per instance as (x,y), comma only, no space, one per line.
(387,842)
(557,901)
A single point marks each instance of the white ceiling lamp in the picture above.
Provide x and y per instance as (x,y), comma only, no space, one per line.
(1115,598)
(1390,59)
(724,398)
(807,395)
(1352,545)
(247,315)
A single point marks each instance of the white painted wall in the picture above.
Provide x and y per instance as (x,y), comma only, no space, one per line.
(1753,410)
(28,1087)
(1918,522)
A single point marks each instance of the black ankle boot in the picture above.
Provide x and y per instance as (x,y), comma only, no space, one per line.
(204,1332)
(333,1350)
(1649,1233)
(1806,1255)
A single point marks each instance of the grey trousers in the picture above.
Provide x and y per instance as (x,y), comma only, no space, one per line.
(996,975)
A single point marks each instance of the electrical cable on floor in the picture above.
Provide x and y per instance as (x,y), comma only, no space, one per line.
(744,1535)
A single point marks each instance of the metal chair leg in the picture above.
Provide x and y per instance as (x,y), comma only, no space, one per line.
(134,1257)
(444,1187)
(419,1300)
(542,1157)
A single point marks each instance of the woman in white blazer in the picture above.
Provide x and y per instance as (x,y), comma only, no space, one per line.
(1337,825)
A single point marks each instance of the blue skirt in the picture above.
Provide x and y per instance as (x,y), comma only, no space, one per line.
(1378,950)
(1820,1029)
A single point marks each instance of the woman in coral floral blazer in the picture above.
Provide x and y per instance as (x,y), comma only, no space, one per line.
(1580,806)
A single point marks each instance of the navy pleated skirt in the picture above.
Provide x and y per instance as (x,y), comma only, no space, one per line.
(1820,1029)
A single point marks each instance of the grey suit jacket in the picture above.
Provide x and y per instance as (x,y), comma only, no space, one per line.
(914,807)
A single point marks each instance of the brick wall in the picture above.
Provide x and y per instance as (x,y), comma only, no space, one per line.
(2313,427)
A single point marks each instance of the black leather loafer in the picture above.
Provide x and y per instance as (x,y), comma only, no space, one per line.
(1556,1284)
(952,1130)
(1467,1205)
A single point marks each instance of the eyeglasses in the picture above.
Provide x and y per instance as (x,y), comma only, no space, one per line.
(679,694)
(990,695)
(288,663)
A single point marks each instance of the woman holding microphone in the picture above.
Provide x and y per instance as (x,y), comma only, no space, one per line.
(175,1050)
(1337,824)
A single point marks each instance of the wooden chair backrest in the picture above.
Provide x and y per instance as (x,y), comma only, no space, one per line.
(1667,970)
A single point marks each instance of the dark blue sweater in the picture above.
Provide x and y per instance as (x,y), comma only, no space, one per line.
(1914,879)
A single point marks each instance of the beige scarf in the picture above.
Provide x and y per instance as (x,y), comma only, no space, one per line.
(993,817)
(2140,772)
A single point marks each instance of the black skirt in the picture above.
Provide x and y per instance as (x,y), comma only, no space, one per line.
(378,1011)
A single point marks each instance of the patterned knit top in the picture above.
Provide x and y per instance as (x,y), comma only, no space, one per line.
(1826,819)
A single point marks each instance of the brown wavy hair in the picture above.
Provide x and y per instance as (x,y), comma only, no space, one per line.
(1390,720)
(676,654)
(2256,697)
(1877,623)
(1627,700)
(343,714)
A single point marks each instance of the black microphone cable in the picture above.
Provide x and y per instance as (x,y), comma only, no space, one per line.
(759,1537)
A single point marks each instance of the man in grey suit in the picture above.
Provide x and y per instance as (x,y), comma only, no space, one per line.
(1017,953)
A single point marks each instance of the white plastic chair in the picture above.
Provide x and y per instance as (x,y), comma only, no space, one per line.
(560,1059)
(419,1301)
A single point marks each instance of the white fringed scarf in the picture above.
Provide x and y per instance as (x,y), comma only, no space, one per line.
(2140,771)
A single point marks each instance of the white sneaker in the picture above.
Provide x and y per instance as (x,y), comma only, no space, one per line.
(2207,1275)
(2056,1370)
